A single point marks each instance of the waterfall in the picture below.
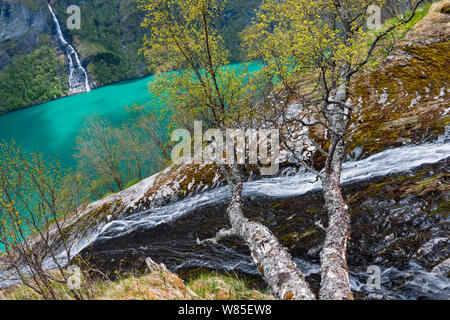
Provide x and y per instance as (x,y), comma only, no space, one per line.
(78,77)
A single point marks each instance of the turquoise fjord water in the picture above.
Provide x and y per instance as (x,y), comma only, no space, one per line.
(52,127)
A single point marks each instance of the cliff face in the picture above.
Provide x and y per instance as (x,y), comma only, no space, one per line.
(21,25)
(18,18)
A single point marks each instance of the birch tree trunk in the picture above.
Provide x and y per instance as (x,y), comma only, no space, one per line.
(284,278)
(335,280)
(335,284)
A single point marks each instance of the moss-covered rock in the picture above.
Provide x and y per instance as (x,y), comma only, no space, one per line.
(404,101)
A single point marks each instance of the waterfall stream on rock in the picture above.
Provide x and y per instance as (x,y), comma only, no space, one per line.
(414,281)
(78,77)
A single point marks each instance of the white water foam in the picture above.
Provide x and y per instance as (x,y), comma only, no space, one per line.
(388,162)
(78,77)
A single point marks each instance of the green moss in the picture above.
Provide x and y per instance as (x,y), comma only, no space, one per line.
(131,183)
(375,188)
(275,205)
(443,210)
(287,238)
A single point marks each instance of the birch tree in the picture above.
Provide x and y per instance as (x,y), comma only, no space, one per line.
(114,157)
(37,199)
(99,155)
(183,31)
(311,50)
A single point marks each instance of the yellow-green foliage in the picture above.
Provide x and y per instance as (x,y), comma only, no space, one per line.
(182,27)
(33,78)
(34,193)
(420,14)
(296,34)
(317,49)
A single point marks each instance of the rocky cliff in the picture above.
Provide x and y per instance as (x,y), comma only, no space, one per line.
(21,25)
(32,67)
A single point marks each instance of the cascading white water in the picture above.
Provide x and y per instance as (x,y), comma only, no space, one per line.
(392,161)
(78,77)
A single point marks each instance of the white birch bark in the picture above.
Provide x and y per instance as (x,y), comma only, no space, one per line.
(335,283)
(284,278)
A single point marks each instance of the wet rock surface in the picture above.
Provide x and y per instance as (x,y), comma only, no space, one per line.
(18,18)
(21,26)
(399,224)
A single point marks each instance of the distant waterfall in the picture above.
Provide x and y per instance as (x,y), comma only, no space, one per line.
(78,78)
